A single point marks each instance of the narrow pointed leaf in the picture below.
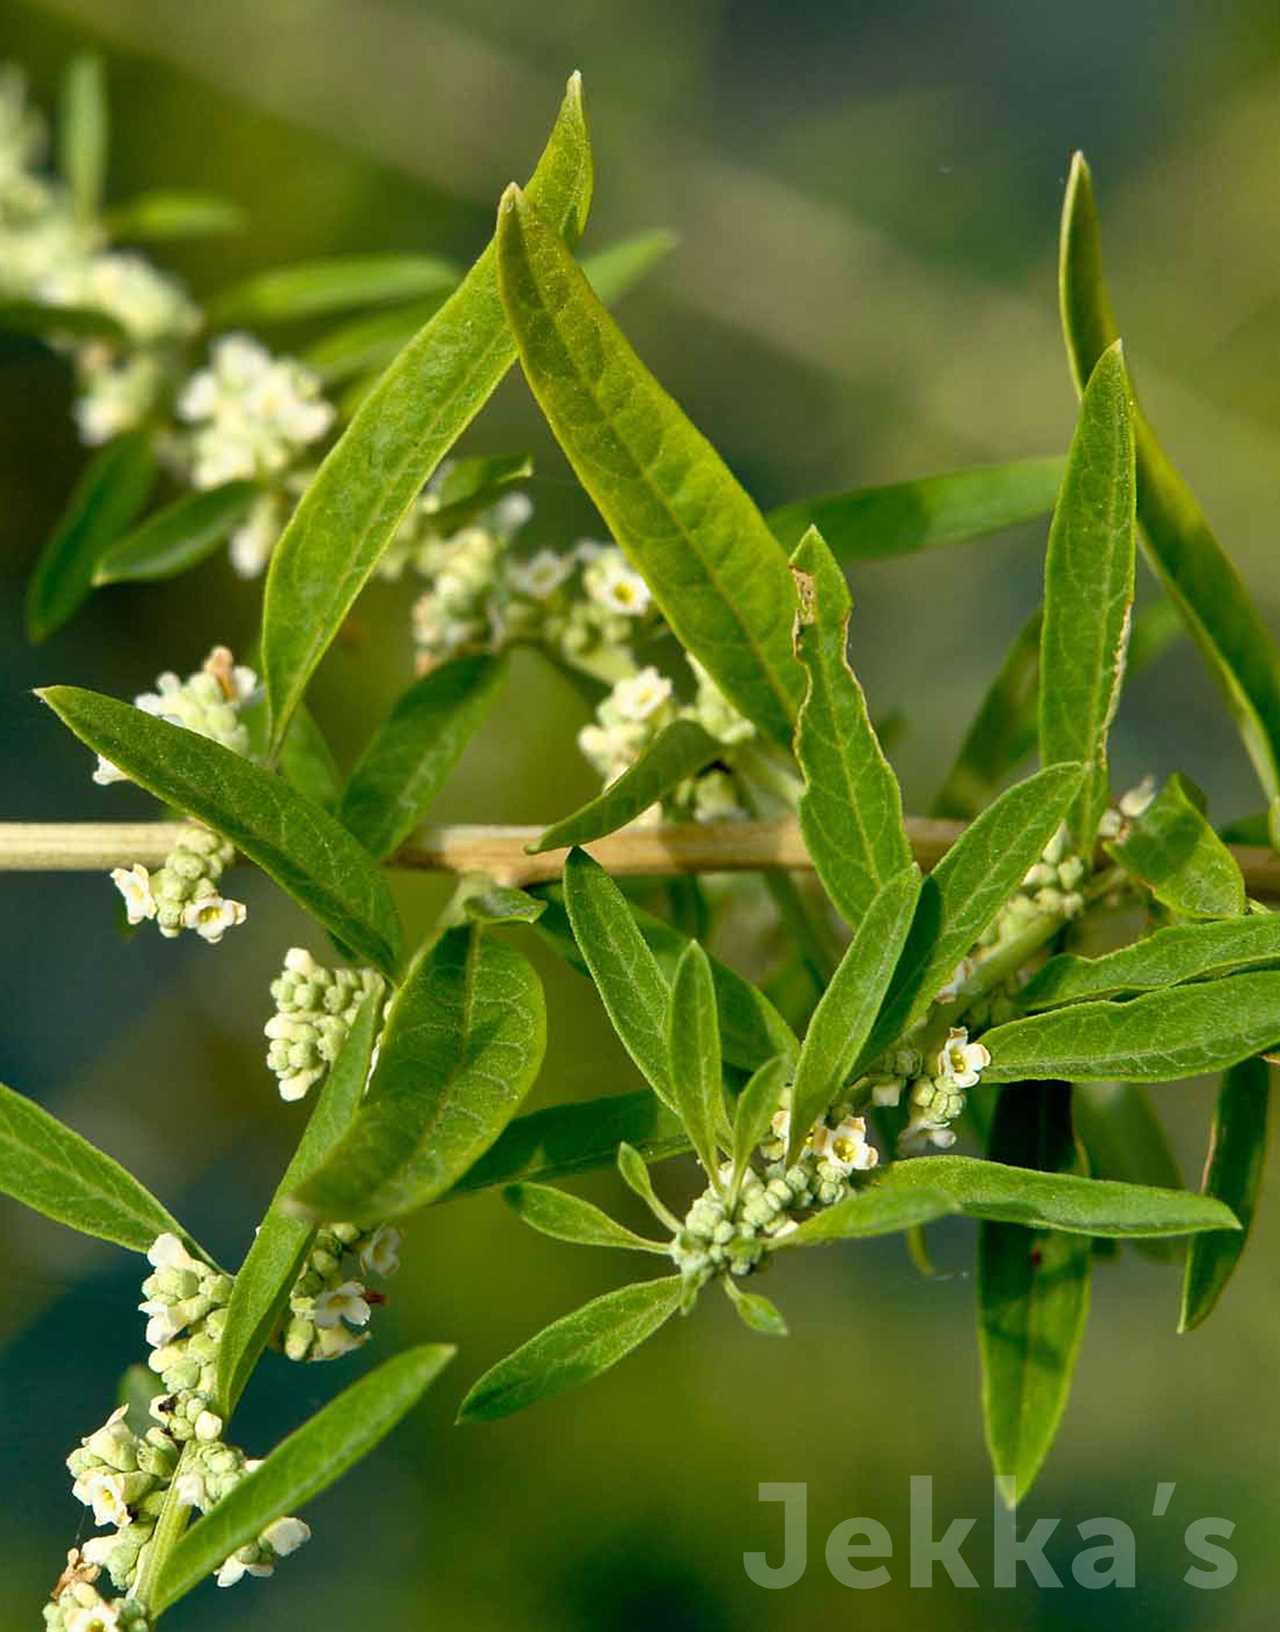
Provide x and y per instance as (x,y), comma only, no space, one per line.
(757,1104)
(1033,1295)
(110,493)
(755,1312)
(715,570)
(1174,851)
(170,213)
(503,904)
(1088,593)
(680,750)
(1123,1138)
(1233,1174)
(367,344)
(563,1140)
(280,1246)
(631,986)
(697,1081)
(82,145)
(851,807)
(1185,1031)
(615,270)
(52,1170)
(1180,545)
(1061,1201)
(870,1212)
(967,889)
(334,283)
(295,842)
(903,517)
(635,1175)
(412,753)
(464,1040)
(570,1218)
(751,1029)
(574,1349)
(177,537)
(402,429)
(307,762)
(1169,957)
(303,1465)
(848,1008)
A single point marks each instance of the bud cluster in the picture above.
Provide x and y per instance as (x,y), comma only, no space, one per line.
(78,1606)
(329,1307)
(186,1305)
(315,1009)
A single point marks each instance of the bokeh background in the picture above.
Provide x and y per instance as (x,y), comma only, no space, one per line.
(866,196)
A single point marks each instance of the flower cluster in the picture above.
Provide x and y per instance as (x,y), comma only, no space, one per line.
(251,413)
(329,1309)
(315,1009)
(210,1472)
(185,1302)
(78,1606)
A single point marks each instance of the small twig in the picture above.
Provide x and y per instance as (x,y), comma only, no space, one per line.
(722,847)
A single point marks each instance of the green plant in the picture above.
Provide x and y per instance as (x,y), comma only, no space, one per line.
(1004,994)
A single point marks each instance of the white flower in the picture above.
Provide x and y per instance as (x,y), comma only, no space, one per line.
(208,1426)
(104,1491)
(615,586)
(380,1254)
(235,1569)
(334,1341)
(212,916)
(252,542)
(99,1617)
(845,1146)
(640,695)
(107,773)
(134,884)
(541,575)
(191,1490)
(254,412)
(888,1091)
(149,305)
(167,1252)
(164,1323)
(960,1061)
(345,1302)
(285,1536)
(98,1549)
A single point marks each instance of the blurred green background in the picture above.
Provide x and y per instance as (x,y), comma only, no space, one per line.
(867,197)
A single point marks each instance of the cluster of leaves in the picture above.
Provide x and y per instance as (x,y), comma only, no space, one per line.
(1073,1156)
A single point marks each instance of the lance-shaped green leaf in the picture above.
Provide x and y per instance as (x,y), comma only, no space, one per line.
(411,755)
(631,986)
(464,1040)
(755,1312)
(1054,1201)
(716,571)
(1233,1174)
(1195,571)
(751,1029)
(1174,851)
(1169,957)
(52,1170)
(335,283)
(1033,1294)
(503,904)
(110,493)
(680,750)
(903,517)
(173,213)
(570,1218)
(177,537)
(635,1175)
(851,807)
(967,889)
(1124,1139)
(307,762)
(280,1246)
(868,1212)
(574,1349)
(1003,732)
(848,1008)
(82,134)
(613,271)
(757,1105)
(693,1033)
(563,1140)
(1088,592)
(1185,1031)
(299,1468)
(402,429)
(299,845)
